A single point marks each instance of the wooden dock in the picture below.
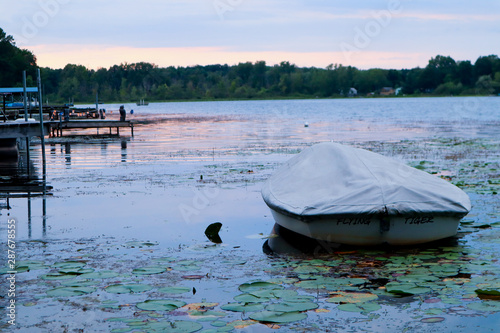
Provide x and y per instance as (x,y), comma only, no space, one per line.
(19,129)
(28,129)
(56,127)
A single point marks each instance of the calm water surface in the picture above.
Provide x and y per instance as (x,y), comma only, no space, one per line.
(149,187)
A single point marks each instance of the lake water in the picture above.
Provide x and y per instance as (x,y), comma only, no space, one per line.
(194,163)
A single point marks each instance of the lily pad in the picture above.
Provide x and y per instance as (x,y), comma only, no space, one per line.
(127,288)
(431,320)
(351,297)
(243,307)
(278,317)
(359,307)
(174,290)
(76,271)
(29,265)
(489,292)
(485,306)
(201,306)
(406,289)
(206,315)
(160,305)
(69,264)
(250,298)
(258,285)
(292,306)
(99,275)
(149,270)
(70,291)
(57,276)
(241,324)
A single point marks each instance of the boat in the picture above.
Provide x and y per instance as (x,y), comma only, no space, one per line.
(142,103)
(341,194)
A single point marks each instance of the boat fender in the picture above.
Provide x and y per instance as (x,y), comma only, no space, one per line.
(385,224)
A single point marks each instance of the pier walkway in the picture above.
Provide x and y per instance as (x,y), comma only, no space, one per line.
(56,127)
(28,129)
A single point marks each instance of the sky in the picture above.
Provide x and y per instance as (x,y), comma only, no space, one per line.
(308,33)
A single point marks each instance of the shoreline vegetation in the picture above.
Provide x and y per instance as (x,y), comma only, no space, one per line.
(443,76)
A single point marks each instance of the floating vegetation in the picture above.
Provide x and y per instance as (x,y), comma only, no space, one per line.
(70,291)
(128,288)
(139,286)
(160,305)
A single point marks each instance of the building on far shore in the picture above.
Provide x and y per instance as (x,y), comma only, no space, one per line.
(387,91)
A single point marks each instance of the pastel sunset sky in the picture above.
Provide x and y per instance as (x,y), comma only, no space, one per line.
(363,33)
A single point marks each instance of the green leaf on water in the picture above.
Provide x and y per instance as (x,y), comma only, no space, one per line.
(149,270)
(351,297)
(127,288)
(292,306)
(432,320)
(405,289)
(57,276)
(485,306)
(489,292)
(218,323)
(76,271)
(206,315)
(250,298)
(278,317)
(70,291)
(29,265)
(69,264)
(258,285)
(243,307)
(99,275)
(160,305)
(175,290)
(359,307)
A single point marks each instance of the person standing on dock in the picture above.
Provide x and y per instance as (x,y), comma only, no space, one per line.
(123,113)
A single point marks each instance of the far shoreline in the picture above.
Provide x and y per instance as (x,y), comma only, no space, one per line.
(285,99)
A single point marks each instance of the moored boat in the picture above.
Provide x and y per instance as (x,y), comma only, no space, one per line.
(346,195)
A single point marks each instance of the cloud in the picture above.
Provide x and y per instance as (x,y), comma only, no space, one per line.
(250,28)
(95,56)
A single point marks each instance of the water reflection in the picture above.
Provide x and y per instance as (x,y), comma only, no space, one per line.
(19,179)
(67,154)
(124,151)
(288,242)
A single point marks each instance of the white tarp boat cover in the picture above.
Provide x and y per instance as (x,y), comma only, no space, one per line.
(333,179)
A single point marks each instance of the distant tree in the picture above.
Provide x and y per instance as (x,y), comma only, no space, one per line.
(13,61)
(142,80)
(486,65)
(412,83)
(465,72)
(439,70)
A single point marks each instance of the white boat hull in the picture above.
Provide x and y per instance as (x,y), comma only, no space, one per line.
(372,230)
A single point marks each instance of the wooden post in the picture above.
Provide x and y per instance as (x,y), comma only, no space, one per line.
(25,98)
(42,134)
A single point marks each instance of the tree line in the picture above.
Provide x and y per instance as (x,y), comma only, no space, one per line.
(443,76)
